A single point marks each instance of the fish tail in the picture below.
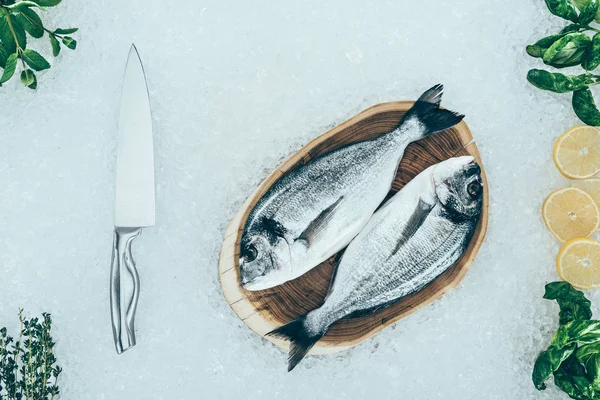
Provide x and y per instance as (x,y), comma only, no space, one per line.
(428,113)
(302,337)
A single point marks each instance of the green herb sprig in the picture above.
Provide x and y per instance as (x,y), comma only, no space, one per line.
(576,44)
(573,357)
(18,19)
(28,369)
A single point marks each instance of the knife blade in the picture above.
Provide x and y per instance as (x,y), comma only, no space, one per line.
(134,198)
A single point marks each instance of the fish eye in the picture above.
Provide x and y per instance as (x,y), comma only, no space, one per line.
(474,188)
(251,253)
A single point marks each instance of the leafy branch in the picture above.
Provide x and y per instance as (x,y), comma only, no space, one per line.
(28,367)
(576,44)
(17,20)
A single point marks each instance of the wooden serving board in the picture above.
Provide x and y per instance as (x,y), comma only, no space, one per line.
(268,309)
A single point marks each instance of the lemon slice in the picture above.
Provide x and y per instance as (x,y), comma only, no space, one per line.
(570,213)
(578,262)
(590,186)
(577,152)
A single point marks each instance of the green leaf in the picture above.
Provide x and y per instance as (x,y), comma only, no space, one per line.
(580,332)
(31,22)
(3,55)
(27,77)
(584,353)
(6,35)
(19,32)
(33,84)
(563,381)
(22,5)
(69,42)
(47,3)
(61,31)
(35,60)
(592,367)
(55,46)
(581,4)
(592,57)
(571,28)
(567,51)
(588,12)
(539,48)
(563,9)
(557,82)
(585,107)
(573,303)
(548,362)
(9,69)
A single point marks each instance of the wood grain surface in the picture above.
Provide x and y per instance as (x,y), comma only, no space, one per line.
(267,309)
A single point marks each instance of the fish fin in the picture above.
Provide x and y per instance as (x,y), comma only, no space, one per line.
(429,114)
(300,337)
(412,225)
(316,226)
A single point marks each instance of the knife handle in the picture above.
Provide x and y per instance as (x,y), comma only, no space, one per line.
(124,288)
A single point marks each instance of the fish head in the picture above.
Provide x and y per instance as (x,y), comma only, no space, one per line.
(458,185)
(264,261)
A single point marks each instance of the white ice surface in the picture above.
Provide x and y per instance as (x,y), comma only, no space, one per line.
(235,88)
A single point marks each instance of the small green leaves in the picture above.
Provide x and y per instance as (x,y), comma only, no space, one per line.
(68,31)
(567,51)
(563,9)
(17,20)
(69,42)
(585,107)
(55,46)
(571,28)
(35,60)
(31,22)
(28,367)
(9,69)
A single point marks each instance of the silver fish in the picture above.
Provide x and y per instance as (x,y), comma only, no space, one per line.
(416,236)
(314,211)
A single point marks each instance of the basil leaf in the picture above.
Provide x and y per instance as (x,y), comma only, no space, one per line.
(27,77)
(47,3)
(69,42)
(563,9)
(35,60)
(31,22)
(573,303)
(549,361)
(580,332)
(55,46)
(539,48)
(564,382)
(592,57)
(567,51)
(592,367)
(584,353)
(22,5)
(581,4)
(588,12)
(9,69)
(67,31)
(571,28)
(3,55)
(585,107)
(558,83)
(6,35)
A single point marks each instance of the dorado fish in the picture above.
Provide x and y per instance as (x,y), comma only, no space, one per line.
(315,210)
(416,236)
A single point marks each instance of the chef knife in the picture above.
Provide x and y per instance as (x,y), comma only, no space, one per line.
(134,198)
